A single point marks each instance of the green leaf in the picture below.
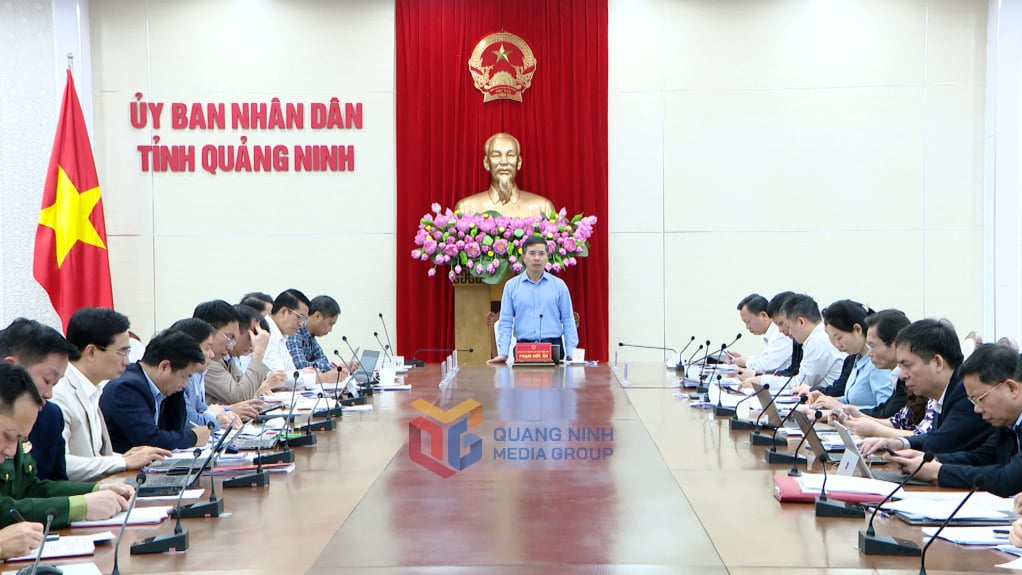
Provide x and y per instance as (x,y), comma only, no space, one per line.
(576,219)
(463,258)
(519,233)
(488,240)
(497,275)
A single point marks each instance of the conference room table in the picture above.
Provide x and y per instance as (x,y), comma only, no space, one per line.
(580,472)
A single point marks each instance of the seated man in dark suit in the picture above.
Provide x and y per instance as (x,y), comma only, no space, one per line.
(20,487)
(44,353)
(146,405)
(992,377)
(929,355)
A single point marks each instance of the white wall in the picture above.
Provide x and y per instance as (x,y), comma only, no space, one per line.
(831,147)
(180,238)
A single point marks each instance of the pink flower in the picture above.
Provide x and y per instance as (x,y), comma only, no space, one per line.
(557,267)
(431,272)
(517,268)
(451,275)
(472,249)
(570,244)
(435,207)
(457,269)
(500,246)
(429,246)
(416,254)
(487,225)
(479,269)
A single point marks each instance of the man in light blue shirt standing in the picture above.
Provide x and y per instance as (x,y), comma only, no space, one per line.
(536,306)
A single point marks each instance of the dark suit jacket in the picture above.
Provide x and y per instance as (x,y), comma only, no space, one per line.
(957,427)
(998,459)
(837,389)
(47,439)
(129,408)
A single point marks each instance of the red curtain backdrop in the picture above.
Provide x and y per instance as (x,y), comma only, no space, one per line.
(442,124)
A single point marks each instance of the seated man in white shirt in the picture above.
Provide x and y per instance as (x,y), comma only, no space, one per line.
(101,335)
(821,361)
(290,310)
(776,346)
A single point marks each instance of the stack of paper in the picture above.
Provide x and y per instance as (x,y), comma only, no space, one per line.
(139,516)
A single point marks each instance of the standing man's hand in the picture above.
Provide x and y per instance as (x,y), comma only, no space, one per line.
(497,360)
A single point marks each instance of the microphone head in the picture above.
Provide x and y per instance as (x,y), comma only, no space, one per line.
(824,457)
(803,399)
(470,350)
(738,336)
(723,346)
(928,456)
(707,343)
(979,482)
(691,340)
(376,334)
(622,344)
(818,415)
(320,395)
(337,352)
(381,315)
(766,386)
(197,452)
(52,511)
(344,338)
(140,478)
(296,375)
(211,426)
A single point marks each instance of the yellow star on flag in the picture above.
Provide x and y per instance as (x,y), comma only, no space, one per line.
(68,217)
(502,54)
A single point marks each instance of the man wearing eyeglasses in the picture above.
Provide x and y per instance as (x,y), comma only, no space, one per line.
(225,321)
(305,350)
(930,358)
(288,315)
(993,381)
(101,335)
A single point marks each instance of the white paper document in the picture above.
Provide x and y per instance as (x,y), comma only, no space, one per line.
(68,546)
(139,516)
(72,569)
(940,510)
(971,535)
(812,483)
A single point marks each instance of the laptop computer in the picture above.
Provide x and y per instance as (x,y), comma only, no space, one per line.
(366,366)
(853,462)
(769,405)
(176,477)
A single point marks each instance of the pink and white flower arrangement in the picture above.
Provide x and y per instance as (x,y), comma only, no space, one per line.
(488,245)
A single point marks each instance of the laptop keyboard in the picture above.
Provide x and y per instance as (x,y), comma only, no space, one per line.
(250,443)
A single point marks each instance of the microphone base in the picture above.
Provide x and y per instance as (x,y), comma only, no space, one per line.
(736,424)
(834,508)
(702,388)
(886,545)
(325,425)
(278,457)
(777,458)
(348,402)
(328,413)
(720,411)
(42,569)
(258,479)
(200,510)
(698,396)
(300,440)
(415,363)
(173,543)
(768,440)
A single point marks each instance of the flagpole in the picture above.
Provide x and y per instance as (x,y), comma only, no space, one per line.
(70,62)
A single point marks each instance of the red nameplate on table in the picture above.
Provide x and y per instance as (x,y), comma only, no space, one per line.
(534,354)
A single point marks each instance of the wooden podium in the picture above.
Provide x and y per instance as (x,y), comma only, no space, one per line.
(473,301)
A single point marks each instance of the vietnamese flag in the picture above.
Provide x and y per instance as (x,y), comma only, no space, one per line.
(70,242)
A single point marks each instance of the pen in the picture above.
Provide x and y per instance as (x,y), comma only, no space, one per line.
(17,515)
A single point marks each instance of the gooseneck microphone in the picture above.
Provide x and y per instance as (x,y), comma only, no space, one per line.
(770,403)
(390,345)
(737,424)
(679,367)
(34,567)
(176,541)
(295,438)
(139,480)
(829,507)
(773,456)
(872,544)
(368,385)
(794,472)
(259,478)
(385,348)
(978,483)
(693,338)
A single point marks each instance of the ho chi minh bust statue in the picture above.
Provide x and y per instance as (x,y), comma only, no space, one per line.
(501,158)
